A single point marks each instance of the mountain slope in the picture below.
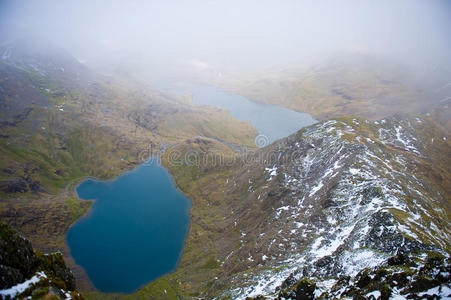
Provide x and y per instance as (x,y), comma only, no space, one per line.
(346,197)
(350,201)
(61,122)
(325,203)
(52,104)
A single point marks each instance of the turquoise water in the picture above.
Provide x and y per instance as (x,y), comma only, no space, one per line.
(135,231)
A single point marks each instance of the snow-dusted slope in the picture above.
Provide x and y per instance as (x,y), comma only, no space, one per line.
(336,198)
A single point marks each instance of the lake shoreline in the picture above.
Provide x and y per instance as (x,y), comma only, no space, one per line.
(86,279)
(88,213)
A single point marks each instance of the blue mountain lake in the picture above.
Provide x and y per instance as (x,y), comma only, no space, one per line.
(271,122)
(135,231)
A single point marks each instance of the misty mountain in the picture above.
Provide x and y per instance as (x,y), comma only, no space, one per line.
(60,121)
(352,84)
(355,206)
(324,208)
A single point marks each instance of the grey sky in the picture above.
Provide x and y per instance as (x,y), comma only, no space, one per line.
(232,33)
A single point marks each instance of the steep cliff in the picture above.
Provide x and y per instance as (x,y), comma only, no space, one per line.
(26,273)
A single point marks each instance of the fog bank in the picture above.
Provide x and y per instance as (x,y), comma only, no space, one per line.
(232,34)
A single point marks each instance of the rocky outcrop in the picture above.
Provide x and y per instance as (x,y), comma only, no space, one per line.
(17,258)
(20,185)
(404,276)
(14,185)
(17,118)
(24,272)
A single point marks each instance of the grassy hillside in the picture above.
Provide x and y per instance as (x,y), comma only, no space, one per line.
(357,85)
(62,123)
(256,217)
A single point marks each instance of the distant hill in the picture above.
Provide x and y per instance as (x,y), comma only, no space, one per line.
(346,84)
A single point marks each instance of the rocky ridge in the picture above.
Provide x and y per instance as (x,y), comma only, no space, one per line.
(26,273)
(324,205)
(340,197)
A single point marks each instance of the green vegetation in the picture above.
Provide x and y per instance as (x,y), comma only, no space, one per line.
(100,129)
(75,129)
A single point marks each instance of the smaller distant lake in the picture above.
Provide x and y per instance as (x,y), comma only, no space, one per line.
(135,232)
(274,122)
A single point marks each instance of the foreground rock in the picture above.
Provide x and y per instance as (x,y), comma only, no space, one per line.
(24,272)
(405,276)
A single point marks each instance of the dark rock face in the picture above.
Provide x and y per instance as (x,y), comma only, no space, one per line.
(305,290)
(20,185)
(56,266)
(9,276)
(17,258)
(19,262)
(400,276)
(288,282)
(14,185)
(399,259)
(35,186)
